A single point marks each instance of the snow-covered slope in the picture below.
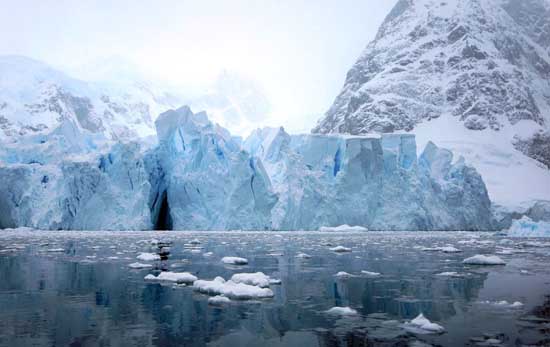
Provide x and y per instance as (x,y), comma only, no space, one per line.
(470,75)
(36,99)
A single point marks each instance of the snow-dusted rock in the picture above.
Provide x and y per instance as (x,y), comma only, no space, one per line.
(469,75)
(484,260)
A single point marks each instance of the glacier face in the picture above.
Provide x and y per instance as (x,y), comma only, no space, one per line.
(472,76)
(199,177)
(374,181)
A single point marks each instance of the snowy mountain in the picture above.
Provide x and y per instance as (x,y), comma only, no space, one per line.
(36,98)
(470,75)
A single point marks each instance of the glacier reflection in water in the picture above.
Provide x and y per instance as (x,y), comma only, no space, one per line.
(75,288)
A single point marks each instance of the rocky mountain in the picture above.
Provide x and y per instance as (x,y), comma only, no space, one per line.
(473,75)
(36,98)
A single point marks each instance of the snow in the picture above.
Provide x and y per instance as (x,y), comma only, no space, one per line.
(484,260)
(255,279)
(231,289)
(234,260)
(139,266)
(342,311)
(526,227)
(148,257)
(422,325)
(343,227)
(178,277)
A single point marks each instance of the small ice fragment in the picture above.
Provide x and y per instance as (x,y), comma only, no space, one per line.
(234,260)
(303,256)
(340,249)
(343,274)
(449,274)
(208,254)
(342,311)
(423,325)
(219,300)
(55,250)
(148,256)
(139,266)
(231,289)
(370,273)
(480,259)
(178,277)
(255,279)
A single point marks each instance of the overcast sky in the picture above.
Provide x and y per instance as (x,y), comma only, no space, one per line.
(299,50)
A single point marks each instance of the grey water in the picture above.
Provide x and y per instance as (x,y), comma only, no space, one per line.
(70,288)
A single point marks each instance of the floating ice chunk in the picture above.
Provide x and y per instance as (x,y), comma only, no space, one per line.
(446,249)
(449,274)
(208,254)
(234,260)
(219,300)
(55,250)
(504,304)
(178,277)
(342,311)
(231,289)
(422,325)
(526,227)
(343,227)
(370,273)
(195,242)
(150,277)
(303,256)
(274,281)
(343,274)
(255,279)
(340,249)
(112,258)
(139,266)
(480,259)
(148,256)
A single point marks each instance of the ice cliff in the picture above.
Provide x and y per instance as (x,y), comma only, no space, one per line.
(200,177)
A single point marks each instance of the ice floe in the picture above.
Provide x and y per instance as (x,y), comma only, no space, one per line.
(342,311)
(178,277)
(219,300)
(148,257)
(340,249)
(139,266)
(255,279)
(370,273)
(422,325)
(234,260)
(230,289)
(503,304)
(480,259)
(303,256)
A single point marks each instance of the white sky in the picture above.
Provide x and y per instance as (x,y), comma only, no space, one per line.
(298,50)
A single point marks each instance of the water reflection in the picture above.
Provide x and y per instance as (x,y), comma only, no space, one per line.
(86,295)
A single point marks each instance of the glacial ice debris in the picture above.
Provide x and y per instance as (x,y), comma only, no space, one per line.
(230,289)
(342,311)
(526,227)
(422,325)
(178,277)
(148,256)
(234,260)
(255,279)
(481,259)
(342,228)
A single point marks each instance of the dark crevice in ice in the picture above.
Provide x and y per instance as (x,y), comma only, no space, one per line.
(164,220)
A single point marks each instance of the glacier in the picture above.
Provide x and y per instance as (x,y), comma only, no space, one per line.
(197,176)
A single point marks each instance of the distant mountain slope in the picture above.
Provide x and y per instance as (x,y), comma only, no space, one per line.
(37,98)
(473,75)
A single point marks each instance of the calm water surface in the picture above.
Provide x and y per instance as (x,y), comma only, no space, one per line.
(75,289)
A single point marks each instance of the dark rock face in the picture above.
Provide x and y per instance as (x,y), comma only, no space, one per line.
(536,147)
(487,63)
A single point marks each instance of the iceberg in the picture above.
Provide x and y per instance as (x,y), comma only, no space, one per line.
(526,227)
(232,290)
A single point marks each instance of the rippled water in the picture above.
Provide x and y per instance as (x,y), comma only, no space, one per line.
(75,289)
